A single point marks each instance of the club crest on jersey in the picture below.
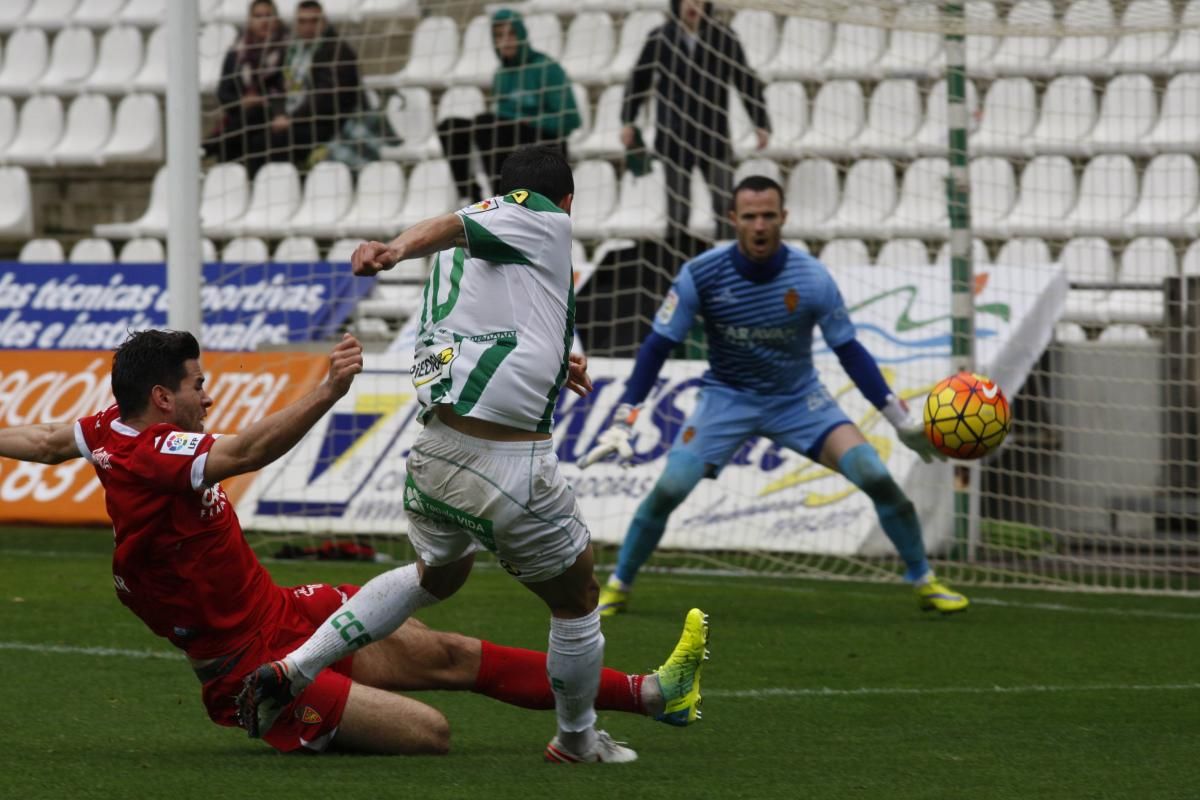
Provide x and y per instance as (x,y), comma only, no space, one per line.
(667,309)
(102,458)
(308,715)
(791,299)
(480,207)
(178,443)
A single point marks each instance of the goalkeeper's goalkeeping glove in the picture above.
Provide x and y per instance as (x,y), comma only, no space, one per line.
(615,439)
(910,429)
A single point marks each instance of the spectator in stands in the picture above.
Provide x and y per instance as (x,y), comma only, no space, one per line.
(689,63)
(323,86)
(252,91)
(532,101)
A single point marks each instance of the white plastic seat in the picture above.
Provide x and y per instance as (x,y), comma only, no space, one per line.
(641,211)
(921,210)
(328,195)
(72,59)
(39,129)
(16,203)
(97,13)
(1088,260)
(410,113)
(1024,251)
(979,254)
(231,11)
(477,62)
(87,131)
(787,105)
(856,48)
(92,251)
(584,107)
(933,137)
(1025,53)
(741,129)
(12,14)
(297,250)
(837,120)
(894,116)
(803,46)
(1146,261)
(868,198)
(433,54)
(629,46)
(1184,55)
(701,222)
(1147,38)
(902,253)
(545,34)
(843,254)
(914,48)
(981,15)
(1175,131)
(223,197)
(596,189)
(377,202)
(589,48)
(1124,332)
(142,251)
(1047,194)
(766,167)
(1191,259)
(119,59)
(8,122)
(50,15)
(152,77)
(1009,116)
(1167,204)
(812,196)
(1079,53)
(1068,116)
(392,301)
(246,250)
(137,132)
(563,7)
(758,33)
(1069,332)
(1108,192)
(144,13)
(341,250)
(390,9)
(993,194)
(152,222)
(1127,114)
(42,251)
(431,191)
(26,56)
(604,140)
(463,102)
(215,40)
(274,198)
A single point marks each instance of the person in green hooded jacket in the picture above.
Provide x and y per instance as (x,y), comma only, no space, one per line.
(532,103)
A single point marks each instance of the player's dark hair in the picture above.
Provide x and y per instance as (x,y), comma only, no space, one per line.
(757,183)
(148,359)
(540,168)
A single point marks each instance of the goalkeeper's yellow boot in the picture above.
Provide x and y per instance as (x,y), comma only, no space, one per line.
(933,595)
(679,676)
(614,597)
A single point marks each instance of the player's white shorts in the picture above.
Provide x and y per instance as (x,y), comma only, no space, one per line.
(510,498)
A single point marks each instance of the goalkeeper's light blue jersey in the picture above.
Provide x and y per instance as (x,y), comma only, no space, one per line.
(759,318)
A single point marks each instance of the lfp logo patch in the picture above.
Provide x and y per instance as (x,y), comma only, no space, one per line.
(178,443)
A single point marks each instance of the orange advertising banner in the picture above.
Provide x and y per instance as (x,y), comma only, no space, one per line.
(64,385)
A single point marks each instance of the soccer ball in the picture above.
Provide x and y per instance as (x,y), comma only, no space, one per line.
(966,416)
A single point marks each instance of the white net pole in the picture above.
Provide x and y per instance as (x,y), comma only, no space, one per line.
(183,168)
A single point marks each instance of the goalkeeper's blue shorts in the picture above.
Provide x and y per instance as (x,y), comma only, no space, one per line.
(725,417)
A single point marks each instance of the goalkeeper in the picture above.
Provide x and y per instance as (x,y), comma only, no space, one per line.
(760,300)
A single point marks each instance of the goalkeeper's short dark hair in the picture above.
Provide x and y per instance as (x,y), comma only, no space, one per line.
(757,183)
(540,168)
(147,359)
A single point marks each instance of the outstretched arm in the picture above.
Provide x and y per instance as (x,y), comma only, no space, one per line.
(48,443)
(423,239)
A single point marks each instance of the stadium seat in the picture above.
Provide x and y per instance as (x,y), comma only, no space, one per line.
(787,104)
(1077,53)
(152,77)
(811,196)
(208,251)
(842,254)
(1145,50)
(142,251)
(902,253)
(641,211)
(1146,261)
(758,33)
(410,113)
(144,13)
(26,55)
(894,116)
(591,42)
(72,59)
(561,7)
(914,48)
(701,222)
(1167,204)
(92,251)
(758,166)
(933,138)
(803,45)
(39,129)
(465,102)
(1127,114)
(8,122)
(584,107)
(137,132)
(215,40)
(119,60)
(97,13)
(545,34)
(230,11)
(1191,259)
(1024,251)
(390,9)
(837,120)
(1024,55)
(88,129)
(993,193)
(921,210)
(1069,332)
(274,198)
(223,198)
(741,129)
(246,250)
(328,195)
(377,202)
(49,15)
(42,251)
(1009,116)
(152,222)
(392,301)
(410,270)
(1184,55)
(12,14)
(1108,192)
(629,46)
(297,250)
(16,204)
(430,192)
(604,140)
(1068,116)
(981,15)
(856,49)
(341,250)
(1175,130)
(433,54)
(1123,332)
(979,254)
(1088,260)
(1047,194)
(595,198)
(477,62)
(868,199)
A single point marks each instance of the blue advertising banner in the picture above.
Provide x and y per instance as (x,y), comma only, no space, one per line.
(244,306)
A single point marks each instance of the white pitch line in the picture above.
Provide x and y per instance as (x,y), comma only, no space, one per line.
(771,693)
(110,652)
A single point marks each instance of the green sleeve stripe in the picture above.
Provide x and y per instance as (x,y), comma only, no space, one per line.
(568,337)
(482,374)
(483,244)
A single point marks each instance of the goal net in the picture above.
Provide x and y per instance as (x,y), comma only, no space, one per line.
(1029,164)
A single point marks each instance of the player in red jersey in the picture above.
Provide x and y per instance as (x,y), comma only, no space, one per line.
(182,565)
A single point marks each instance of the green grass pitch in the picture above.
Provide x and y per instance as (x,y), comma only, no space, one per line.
(814,690)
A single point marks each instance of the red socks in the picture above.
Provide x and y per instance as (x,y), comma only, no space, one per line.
(517,676)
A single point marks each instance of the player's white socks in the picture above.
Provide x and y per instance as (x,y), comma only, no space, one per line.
(381,606)
(573,663)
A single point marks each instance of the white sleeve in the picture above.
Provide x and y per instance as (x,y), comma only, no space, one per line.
(81,443)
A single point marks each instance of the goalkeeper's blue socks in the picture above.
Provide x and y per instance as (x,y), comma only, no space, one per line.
(682,473)
(862,466)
